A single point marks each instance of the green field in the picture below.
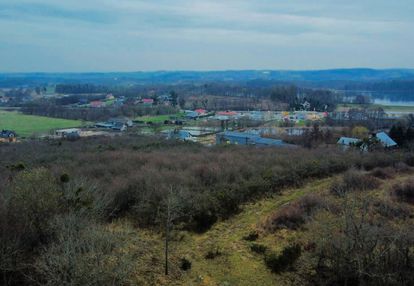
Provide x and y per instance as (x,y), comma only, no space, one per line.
(158,118)
(26,125)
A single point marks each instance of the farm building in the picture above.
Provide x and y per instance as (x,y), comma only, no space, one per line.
(242,138)
(67,132)
(124,120)
(148,101)
(385,140)
(7,136)
(97,104)
(347,142)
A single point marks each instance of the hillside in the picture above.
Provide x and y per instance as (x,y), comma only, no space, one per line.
(237,264)
(96,212)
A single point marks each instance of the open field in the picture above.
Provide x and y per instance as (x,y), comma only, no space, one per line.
(158,118)
(26,125)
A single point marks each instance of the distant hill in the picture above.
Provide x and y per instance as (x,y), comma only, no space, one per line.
(327,78)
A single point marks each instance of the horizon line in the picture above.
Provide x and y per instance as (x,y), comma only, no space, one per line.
(208,70)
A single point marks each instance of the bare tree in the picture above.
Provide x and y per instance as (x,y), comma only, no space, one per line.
(173,211)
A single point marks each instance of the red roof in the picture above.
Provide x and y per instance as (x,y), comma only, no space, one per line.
(148,100)
(96,103)
(200,111)
(228,113)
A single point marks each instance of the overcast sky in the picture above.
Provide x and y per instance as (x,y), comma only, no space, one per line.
(133,35)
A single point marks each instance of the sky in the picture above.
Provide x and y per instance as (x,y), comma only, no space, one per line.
(138,35)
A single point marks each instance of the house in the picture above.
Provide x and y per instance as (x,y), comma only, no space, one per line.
(184,135)
(8,136)
(147,101)
(226,113)
(71,132)
(104,125)
(97,104)
(201,111)
(116,125)
(110,96)
(191,114)
(295,131)
(385,140)
(347,142)
(124,120)
(4,99)
(242,138)
(119,126)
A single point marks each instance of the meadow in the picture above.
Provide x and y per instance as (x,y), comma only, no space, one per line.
(159,118)
(26,125)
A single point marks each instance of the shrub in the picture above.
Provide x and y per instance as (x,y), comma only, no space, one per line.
(404,192)
(258,248)
(211,254)
(409,160)
(402,167)
(291,216)
(383,173)
(354,181)
(252,236)
(185,264)
(391,210)
(284,261)
(82,254)
(295,214)
(357,248)
(64,178)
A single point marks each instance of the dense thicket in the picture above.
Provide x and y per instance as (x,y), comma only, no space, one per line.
(48,187)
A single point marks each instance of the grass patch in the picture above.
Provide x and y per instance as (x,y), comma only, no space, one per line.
(26,125)
(159,118)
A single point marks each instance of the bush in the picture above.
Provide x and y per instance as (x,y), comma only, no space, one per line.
(211,254)
(82,254)
(354,181)
(185,264)
(284,261)
(383,173)
(295,214)
(252,236)
(357,248)
(391,210)
(258,248)
(402,167)
(404,192)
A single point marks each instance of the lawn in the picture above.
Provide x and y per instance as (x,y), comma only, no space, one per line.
(158,118)
(26,125)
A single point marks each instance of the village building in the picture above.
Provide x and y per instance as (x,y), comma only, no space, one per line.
(385,140)
(242,138)
(8,136)
(147,101)
(97,104)
(70,132)
(347,142)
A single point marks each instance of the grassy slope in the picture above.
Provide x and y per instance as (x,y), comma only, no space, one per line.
(26,125)
(238,265)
